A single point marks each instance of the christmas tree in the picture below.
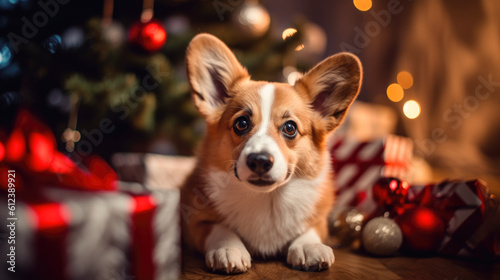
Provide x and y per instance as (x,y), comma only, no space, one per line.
(110,77)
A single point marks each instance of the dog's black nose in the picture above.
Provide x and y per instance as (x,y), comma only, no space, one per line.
(260,163)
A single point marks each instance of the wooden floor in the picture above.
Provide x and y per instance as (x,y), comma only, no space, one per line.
(355,265)
(351,264)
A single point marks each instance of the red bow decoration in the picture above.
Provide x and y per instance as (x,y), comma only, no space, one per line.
(30,149)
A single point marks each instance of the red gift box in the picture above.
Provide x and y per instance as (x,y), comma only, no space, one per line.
(71,222)
(97,235)
(358,165)
(470,213)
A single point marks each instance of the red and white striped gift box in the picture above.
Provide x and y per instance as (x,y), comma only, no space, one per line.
(72,234)
(358,165)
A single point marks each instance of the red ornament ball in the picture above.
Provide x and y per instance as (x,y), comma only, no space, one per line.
(150,36)
(423,229)
(390,191)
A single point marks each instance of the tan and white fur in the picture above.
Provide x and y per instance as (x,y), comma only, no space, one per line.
(262,186)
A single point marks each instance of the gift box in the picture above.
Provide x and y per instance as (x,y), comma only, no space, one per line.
(358,165)
(152,170)
(96,235)
(75,220)
(470,213)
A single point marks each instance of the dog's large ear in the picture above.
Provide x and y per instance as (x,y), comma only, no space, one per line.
(332,86)
(212,69)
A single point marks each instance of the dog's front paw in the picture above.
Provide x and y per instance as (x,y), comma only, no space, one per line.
(228,260)
(310,256)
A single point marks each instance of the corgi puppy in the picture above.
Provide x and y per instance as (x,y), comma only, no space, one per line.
(262,185)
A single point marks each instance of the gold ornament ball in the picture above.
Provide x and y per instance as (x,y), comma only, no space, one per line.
(314,44)
(382,237)
(346,227)
(252,19)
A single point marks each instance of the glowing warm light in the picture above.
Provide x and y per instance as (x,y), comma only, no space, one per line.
(395,92)
(287,70)
(393,185)
(289,32)
(299,47)
(71,135)
(405,185)
(362,5)
(405,79)
(411,109)
(255,18)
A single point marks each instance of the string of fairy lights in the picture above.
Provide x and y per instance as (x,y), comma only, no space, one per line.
(396,91)
(291,73)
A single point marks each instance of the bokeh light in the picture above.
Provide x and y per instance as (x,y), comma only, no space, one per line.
(411,109)
(55,97)
(299,47)
(72,38)
(289,32)
(70,137)
(255,18)
(53,43)
(362,5)
(405,79)
(5,54)
(287,70)
(8,4)
(395,92)
(293,77)
(10,98)
(114,33)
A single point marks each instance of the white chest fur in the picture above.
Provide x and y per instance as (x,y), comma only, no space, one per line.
(266,222)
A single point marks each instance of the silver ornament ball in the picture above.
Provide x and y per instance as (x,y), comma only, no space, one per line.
(382,237)
(114,33)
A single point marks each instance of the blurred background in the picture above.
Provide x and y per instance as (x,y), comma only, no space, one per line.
(109,76)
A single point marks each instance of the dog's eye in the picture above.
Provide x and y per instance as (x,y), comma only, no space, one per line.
(241,125)
(289,129)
